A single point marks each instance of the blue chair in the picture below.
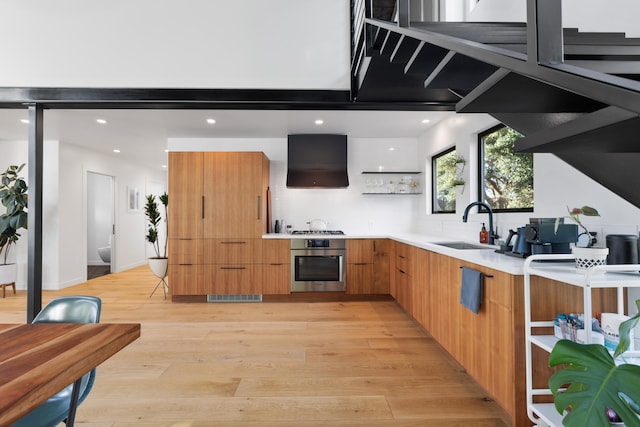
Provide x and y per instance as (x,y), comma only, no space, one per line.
(71,309)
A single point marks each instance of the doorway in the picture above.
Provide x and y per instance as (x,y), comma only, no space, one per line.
(100,224)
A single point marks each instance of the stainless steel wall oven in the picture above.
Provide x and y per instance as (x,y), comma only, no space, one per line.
(318,265)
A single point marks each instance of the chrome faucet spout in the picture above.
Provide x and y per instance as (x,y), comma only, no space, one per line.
(492,234)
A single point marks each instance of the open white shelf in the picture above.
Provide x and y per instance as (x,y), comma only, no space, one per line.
(552,267)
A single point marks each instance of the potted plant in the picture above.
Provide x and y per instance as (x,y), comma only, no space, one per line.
(586,256)
(159,263)
(13,195)
(597,389)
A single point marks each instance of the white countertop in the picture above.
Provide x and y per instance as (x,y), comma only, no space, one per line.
(486,257)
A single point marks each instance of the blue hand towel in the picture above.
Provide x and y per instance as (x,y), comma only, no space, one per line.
(471,290)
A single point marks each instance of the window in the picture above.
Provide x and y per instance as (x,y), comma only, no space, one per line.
(506,177)
(444,182)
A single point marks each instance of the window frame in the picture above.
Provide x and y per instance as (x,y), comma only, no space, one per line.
(481,181)
(434,181)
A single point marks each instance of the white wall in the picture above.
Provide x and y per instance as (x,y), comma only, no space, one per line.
(556,186)
(64,210)
(276,44)
(345,209)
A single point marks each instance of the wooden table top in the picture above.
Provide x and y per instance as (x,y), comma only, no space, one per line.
(38,360)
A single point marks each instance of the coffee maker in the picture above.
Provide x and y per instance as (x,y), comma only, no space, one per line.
(540,236)
(547,237)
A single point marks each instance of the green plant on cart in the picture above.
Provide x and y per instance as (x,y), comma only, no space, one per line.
(591,387)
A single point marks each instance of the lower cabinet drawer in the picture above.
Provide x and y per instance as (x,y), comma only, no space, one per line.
(233,279)
(186,279)
(276,279)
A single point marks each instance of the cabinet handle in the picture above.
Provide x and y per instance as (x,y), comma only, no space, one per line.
(233,268)
(401,271)
(233,243)
(401,256)
(202,207)
(277,263)
(259,206)
(185,264)
(374,246)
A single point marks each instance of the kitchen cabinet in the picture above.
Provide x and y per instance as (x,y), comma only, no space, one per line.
(234,192)
(219,204)
(411,285)
(276,269)
(600,289)
(367,270)
(489,345)
(186,191)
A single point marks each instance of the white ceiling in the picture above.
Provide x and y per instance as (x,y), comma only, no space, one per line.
(141,135)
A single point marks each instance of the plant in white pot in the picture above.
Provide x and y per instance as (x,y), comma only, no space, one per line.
(13,195)
(588,255)
(160,263)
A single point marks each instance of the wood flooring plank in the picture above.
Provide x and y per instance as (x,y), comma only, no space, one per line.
(275,364)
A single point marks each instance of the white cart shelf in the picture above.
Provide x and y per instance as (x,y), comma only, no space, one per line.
(552,267)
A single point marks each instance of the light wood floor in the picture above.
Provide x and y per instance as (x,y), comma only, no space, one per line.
(269,364)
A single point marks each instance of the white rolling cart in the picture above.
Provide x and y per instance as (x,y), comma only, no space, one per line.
(605,276)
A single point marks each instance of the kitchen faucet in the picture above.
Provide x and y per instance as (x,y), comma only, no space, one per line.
(492,234)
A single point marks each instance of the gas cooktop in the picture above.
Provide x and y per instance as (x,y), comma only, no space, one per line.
(324,232)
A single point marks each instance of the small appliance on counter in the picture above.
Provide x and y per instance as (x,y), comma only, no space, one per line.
(548,238)
(540,236)
(623,249)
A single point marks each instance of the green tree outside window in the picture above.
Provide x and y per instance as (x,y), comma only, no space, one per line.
(506,176)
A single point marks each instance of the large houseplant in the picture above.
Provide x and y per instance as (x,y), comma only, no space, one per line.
(595,385)
(159,263)
(13,195)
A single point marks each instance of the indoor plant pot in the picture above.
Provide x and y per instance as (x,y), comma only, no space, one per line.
(160,263)
(159,266)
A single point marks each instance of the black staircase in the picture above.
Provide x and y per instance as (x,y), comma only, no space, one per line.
(571,93)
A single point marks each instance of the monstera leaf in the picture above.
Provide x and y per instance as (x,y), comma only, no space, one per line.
(594,382)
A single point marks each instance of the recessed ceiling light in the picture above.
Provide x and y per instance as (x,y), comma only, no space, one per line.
(116,150)
(164,166)
(25,121)
(211,121)
(166,150)
(426,121)
(392,149)
(101,121)
(319,121)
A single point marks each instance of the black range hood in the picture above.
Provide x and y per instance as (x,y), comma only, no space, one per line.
(317,161)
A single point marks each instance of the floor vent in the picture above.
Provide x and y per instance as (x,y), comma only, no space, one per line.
(235,298)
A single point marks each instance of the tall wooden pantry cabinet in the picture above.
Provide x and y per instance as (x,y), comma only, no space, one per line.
(217,215)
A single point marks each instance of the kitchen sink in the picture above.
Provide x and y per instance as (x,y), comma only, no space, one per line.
(462,245)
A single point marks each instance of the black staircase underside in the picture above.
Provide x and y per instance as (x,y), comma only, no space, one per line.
(584,109)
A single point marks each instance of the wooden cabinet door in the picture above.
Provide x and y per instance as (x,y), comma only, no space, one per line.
(186,280)
(359,273)
(185,195)
(420,287)
(238,251)
(382,253)
(235,194)
(276,278)
(359,278)
(276,268)
(360,251)
(234,279)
